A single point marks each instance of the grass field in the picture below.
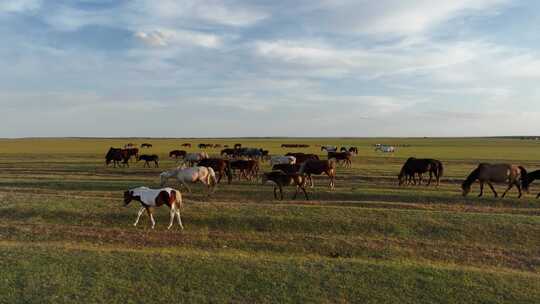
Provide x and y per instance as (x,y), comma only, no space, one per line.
(65,237)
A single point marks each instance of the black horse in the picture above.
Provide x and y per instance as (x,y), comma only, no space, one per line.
(149,158)
(527,180)
(419,166)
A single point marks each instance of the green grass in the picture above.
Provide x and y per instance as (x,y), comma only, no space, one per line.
(65,237)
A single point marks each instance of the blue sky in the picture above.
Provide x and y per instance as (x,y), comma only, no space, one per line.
(203,68)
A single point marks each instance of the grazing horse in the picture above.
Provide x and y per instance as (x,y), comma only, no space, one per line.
(528,179)
(149,158)
(150,198)
(116,155)
(221,166)
(275,160)
(146,145)
(183,175)
(495,173)
(187,145)
(302,157)
(177,154)
(346,157)
(414,166)
(319,167)
(280,179)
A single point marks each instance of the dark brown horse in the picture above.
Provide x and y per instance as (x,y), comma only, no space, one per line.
(345,157)
(495,173)
(149,158)
(117,156)
(222,167)
(527,180)
(177,154)
(281,180)
(319,167)
(187,145)
(249,169)
(419,166)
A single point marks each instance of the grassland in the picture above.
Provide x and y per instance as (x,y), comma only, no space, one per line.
(65,237)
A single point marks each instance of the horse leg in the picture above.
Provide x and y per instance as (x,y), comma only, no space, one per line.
(275,193)
(430,178)
(508,189)
(280,192)
(519,189)
(139,216)
(172,213)
(157,164)
(295,193)
(149,211)
(538,195)
(493,189)
(305,193)
(481,189)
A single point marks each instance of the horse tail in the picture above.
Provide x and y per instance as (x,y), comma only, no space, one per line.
(440,168)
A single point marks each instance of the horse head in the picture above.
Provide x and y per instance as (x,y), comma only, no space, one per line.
(128,197)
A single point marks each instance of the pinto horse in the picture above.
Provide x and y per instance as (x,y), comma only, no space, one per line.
(527,180)
(495,173)
(146,145)
(151,198)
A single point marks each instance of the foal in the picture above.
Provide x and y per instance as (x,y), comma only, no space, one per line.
(150,198)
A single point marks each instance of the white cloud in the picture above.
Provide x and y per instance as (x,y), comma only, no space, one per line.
(18,6)
(163,37)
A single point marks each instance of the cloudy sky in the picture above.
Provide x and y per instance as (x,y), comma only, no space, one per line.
(269,68)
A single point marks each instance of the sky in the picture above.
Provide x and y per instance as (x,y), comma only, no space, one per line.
(206,68)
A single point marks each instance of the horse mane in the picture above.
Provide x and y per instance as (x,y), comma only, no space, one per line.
(471,178)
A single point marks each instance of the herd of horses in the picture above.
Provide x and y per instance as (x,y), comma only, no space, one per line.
(292,169)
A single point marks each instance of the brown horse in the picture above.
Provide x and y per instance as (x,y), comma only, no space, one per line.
(222,167)
(495,173)
(176,154)
(280,180)
(319,167)
(419,166)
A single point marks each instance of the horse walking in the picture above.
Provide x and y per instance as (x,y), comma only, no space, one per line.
(151,198)
(495,173)
(183,175)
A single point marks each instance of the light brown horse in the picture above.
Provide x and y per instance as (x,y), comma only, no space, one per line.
(495,173)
